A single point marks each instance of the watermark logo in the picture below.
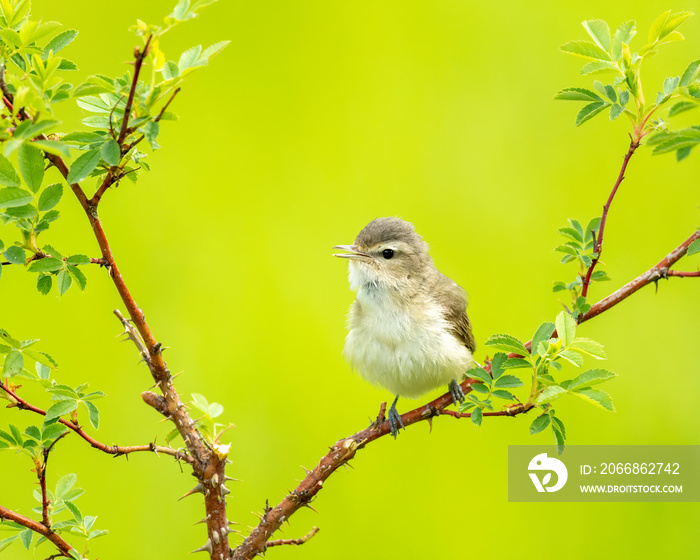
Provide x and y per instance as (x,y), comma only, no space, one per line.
(543,463)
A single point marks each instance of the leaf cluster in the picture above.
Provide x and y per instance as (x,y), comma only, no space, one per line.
(611,55)
(545,358)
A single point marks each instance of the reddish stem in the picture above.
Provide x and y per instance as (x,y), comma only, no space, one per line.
(634,144)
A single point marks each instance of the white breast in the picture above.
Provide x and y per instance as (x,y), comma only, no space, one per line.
(407,354)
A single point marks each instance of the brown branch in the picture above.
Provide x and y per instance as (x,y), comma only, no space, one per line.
(37,527)
(41,474)
(116,450)
(634,144)
(294,542)
(140,55)
(39,256)
(511,410)
(660,270)
(339,455)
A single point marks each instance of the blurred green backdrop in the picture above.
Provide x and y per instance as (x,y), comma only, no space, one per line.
(319,117)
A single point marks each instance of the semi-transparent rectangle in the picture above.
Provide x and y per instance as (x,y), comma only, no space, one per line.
(604,473)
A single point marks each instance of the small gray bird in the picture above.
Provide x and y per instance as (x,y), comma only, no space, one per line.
(408,328)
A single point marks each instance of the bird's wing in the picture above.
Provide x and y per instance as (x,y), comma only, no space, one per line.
(454,300)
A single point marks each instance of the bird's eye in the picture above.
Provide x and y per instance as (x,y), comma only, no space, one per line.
(388,253)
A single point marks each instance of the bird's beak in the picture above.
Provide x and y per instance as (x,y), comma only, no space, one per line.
(352,253)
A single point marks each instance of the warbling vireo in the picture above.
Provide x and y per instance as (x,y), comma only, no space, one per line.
(408,328)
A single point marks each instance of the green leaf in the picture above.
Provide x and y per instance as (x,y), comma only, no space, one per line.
(599,32)
(59,409)
(110,152)
(43,284)
(65,484)
(75,511)
(559,434)
(572,357)
(589,111)
(11,197)
(14,363)
(549,394)
(8,175)
(497,364)
(588,346)
(598,66)
(477,416)
(615,111)
(588,378)
(480,388)
(60,41)
(83,166)
(82,138)
(31,166)
(53,147)
(623,35)
(542,334)
(63,282)
(47,264)
(566,327)
(481,374)
(577,94)
(507,343)
(15,255)
(189,58)
(681,107)
(213,50)
(50,197)
(503,394)
(25,538)
(516,363)
(670,84)
(150,131)
(93,414)
(170,71)
(585,49)
(78,276)
(539,424)
(672,144)
(597,397)
(694,247)
(691,73)
(52,431)
(507,382)
(666,24)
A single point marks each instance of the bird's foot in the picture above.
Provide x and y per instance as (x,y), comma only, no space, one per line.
(456,392)
(394,419)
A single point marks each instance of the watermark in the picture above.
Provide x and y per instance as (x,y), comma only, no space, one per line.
(604,473)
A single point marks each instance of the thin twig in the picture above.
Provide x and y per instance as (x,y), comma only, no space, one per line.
(140,57)
(634,144)
(41,473)
(116,450)
(294,542)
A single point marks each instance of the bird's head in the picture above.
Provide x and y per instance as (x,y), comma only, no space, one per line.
(387,252)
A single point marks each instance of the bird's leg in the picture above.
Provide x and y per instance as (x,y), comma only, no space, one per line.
(395,419)
(456,392)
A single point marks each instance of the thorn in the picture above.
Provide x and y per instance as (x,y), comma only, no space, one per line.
(198,488)
(206,548)
(216,537)
(215,480)
(430,423)
(312,509)
(307,471)
(224,491)
(201,521)
(229,522)
(227,478)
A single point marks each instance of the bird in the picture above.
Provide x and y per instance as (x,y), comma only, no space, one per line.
(408,329)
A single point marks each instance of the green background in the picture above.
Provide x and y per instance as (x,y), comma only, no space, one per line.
(319,117)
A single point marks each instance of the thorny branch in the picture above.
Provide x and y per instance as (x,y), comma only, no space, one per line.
(294,542)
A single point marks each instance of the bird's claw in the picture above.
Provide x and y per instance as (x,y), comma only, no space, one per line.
(456,392)
(394,419)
